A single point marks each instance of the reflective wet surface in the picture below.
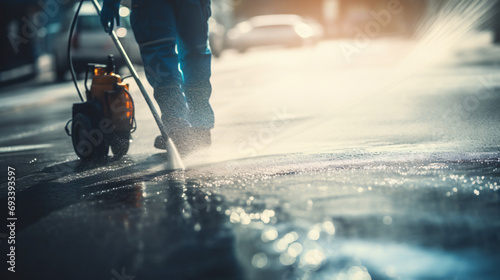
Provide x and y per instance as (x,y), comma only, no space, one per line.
(376,219)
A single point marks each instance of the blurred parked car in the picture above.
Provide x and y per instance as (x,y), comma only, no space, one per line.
(287,30)
(90,44)
(217,37)
(19,53)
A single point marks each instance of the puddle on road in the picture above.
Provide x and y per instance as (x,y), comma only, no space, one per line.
(357,221)
(351,218)
(374,221)
(24,148)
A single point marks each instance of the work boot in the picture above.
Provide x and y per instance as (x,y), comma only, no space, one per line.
(187,140)
(179,131)
(174,110)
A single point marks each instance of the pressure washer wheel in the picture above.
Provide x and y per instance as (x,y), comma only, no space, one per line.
(87,144)
(120,142)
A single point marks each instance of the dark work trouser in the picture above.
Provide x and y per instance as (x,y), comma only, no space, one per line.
(181,79)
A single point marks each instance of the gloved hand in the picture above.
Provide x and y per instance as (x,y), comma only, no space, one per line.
(109,14)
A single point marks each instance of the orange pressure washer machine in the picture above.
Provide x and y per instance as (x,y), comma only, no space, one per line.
(106,119)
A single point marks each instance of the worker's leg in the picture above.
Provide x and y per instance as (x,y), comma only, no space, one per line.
(153,22)
(195,59)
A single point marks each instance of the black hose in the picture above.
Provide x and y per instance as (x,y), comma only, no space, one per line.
(71,68)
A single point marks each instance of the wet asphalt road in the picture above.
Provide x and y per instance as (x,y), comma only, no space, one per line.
(321,168)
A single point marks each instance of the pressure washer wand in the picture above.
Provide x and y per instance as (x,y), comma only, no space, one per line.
(173,155)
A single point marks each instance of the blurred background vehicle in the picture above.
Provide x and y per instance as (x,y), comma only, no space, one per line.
(18,48)
(286,30)
(90,44)
(217,37)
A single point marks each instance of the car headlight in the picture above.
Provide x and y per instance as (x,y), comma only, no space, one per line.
(244,27)
(304,30)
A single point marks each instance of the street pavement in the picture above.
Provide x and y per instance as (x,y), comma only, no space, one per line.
(381,164)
